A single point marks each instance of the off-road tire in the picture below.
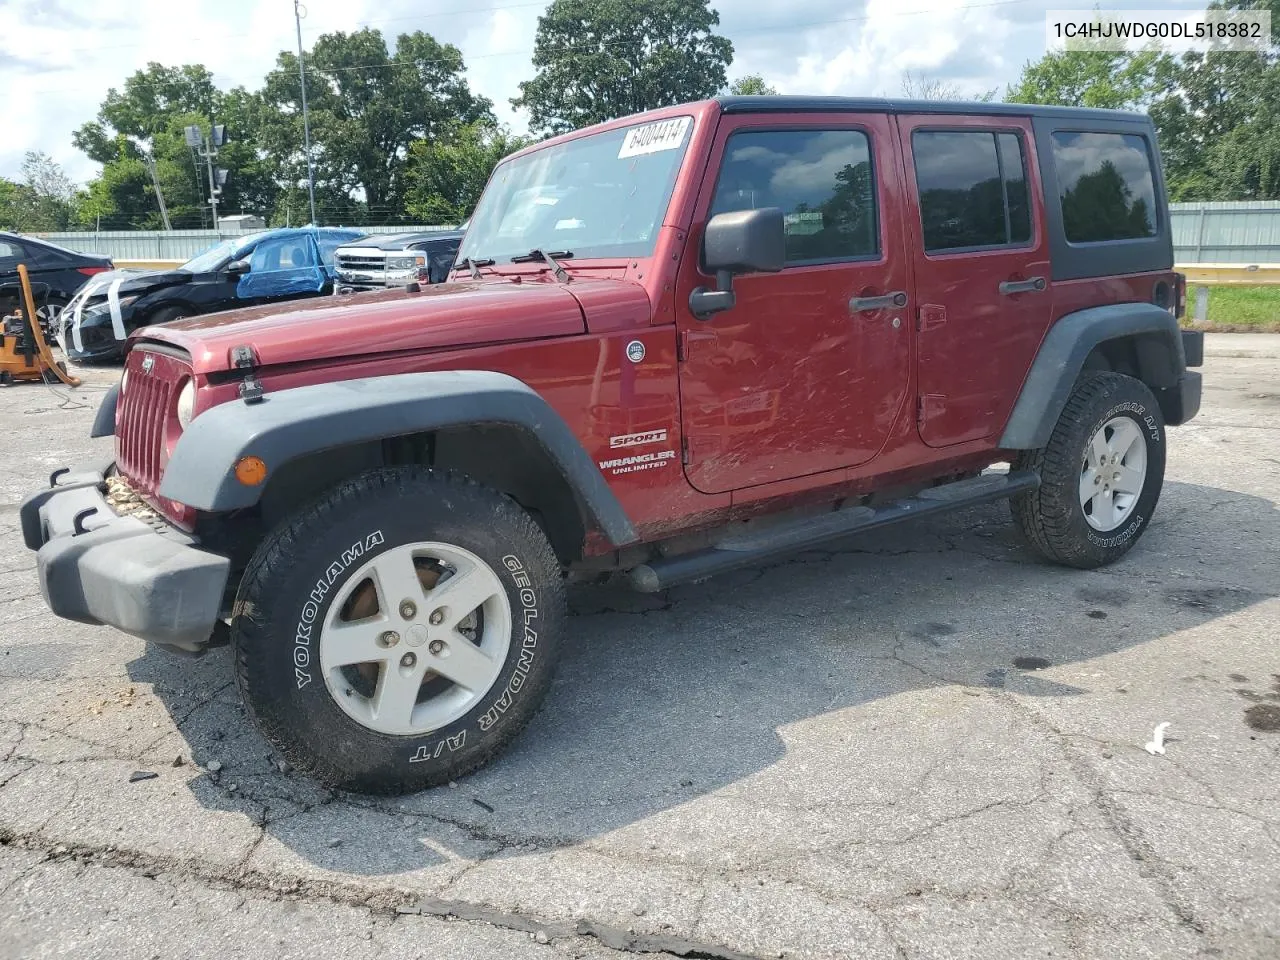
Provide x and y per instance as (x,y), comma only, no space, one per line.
(1052,517)
(278,661)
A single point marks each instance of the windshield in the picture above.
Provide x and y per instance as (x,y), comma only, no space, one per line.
(602,195)
(216,256)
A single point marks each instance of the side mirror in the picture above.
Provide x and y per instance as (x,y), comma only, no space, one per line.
(237,268)
(748,241)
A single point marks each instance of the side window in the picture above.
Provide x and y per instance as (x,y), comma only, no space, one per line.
(822,180)
(973,189)
(10,250)
(283,254)
(1106,186)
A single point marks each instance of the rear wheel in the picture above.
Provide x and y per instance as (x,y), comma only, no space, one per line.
(1100,474)
(400,631)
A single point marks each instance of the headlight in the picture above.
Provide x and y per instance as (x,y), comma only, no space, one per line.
(405,263)
(186,404)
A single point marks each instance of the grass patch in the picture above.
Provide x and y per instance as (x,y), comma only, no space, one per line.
(1237,308)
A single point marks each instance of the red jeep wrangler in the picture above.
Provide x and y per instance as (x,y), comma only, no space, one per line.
(673,344)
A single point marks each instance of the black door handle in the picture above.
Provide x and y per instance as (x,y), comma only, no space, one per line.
(1033,285)
(870,304)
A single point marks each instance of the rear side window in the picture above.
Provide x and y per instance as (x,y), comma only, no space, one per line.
(1106,186)
(973,189)
(821,179)
(10,250)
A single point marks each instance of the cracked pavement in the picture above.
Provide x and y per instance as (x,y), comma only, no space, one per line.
(920,744)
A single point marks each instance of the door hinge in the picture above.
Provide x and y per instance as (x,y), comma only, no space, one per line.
(930,315)
(684,449)
(929,405)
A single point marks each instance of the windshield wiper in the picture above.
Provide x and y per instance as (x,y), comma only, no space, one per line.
(537,255)
(473,265)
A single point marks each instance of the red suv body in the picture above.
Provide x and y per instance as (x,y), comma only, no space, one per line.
(681,342)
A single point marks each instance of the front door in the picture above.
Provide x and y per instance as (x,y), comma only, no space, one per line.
(981,269)
(282,268)
(808,371)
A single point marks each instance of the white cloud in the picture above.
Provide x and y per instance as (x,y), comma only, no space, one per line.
(57,59)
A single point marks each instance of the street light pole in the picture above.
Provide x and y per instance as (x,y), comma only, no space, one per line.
(299,12)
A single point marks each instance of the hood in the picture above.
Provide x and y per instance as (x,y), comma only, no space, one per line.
(444,315)
(135,281)
(399,241)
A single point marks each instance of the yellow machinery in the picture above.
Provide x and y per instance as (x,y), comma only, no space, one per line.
(24,354)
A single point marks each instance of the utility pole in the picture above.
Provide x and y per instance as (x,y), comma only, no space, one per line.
(207,147)
(299,11)
(155,182)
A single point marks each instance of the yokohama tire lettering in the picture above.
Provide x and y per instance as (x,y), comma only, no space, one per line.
(311,609)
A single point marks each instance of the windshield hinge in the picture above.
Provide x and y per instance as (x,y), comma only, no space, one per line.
(242,357)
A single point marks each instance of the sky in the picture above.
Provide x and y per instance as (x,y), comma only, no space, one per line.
(59,57)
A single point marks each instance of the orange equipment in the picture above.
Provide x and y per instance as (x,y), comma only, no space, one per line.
(24,354)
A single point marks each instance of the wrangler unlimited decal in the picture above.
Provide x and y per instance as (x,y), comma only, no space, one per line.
(641,461)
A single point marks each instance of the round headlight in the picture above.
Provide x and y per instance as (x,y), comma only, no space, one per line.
(186,404)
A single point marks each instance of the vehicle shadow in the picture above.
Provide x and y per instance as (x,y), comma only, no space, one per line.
(664,699)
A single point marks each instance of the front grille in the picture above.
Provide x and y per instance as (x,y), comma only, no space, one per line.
(145,408)
(347,261)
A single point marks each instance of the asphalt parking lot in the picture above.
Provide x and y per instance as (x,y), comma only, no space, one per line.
(924,745)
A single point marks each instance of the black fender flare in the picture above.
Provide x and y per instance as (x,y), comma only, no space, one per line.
(104,421)
(1161,360)
(287,424)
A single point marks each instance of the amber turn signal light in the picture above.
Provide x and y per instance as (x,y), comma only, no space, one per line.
(251,471)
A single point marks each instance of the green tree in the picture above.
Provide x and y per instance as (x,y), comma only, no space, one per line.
(1217,114)
(147,118)
(600,59)
(366,108)
(444,177)
(1106,79)
(752,85)
(44,200)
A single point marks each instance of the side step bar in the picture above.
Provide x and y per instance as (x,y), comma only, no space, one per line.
(752,547)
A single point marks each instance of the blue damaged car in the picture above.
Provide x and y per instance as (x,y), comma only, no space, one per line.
(257,268)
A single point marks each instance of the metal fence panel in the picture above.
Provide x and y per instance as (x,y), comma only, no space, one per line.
(178,245)
(1245,232)
(1226,232)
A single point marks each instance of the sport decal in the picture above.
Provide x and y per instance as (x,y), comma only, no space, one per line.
(637,439)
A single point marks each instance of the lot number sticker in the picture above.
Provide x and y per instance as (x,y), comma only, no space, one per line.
(655,137)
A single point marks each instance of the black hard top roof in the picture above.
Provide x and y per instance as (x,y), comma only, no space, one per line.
(789,104)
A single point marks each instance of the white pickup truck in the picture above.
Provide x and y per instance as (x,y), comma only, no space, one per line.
(378,262)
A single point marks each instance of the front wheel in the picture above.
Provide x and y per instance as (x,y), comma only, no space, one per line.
(400,631)
(1100,474)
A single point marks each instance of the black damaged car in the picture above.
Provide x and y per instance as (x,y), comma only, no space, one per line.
(275,265)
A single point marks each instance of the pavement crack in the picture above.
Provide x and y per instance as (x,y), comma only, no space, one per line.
(387,900)
(1135,844)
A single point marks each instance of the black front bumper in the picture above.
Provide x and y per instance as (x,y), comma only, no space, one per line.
(145,578)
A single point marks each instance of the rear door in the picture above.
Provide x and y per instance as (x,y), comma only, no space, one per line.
(808,371)
(981,261)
